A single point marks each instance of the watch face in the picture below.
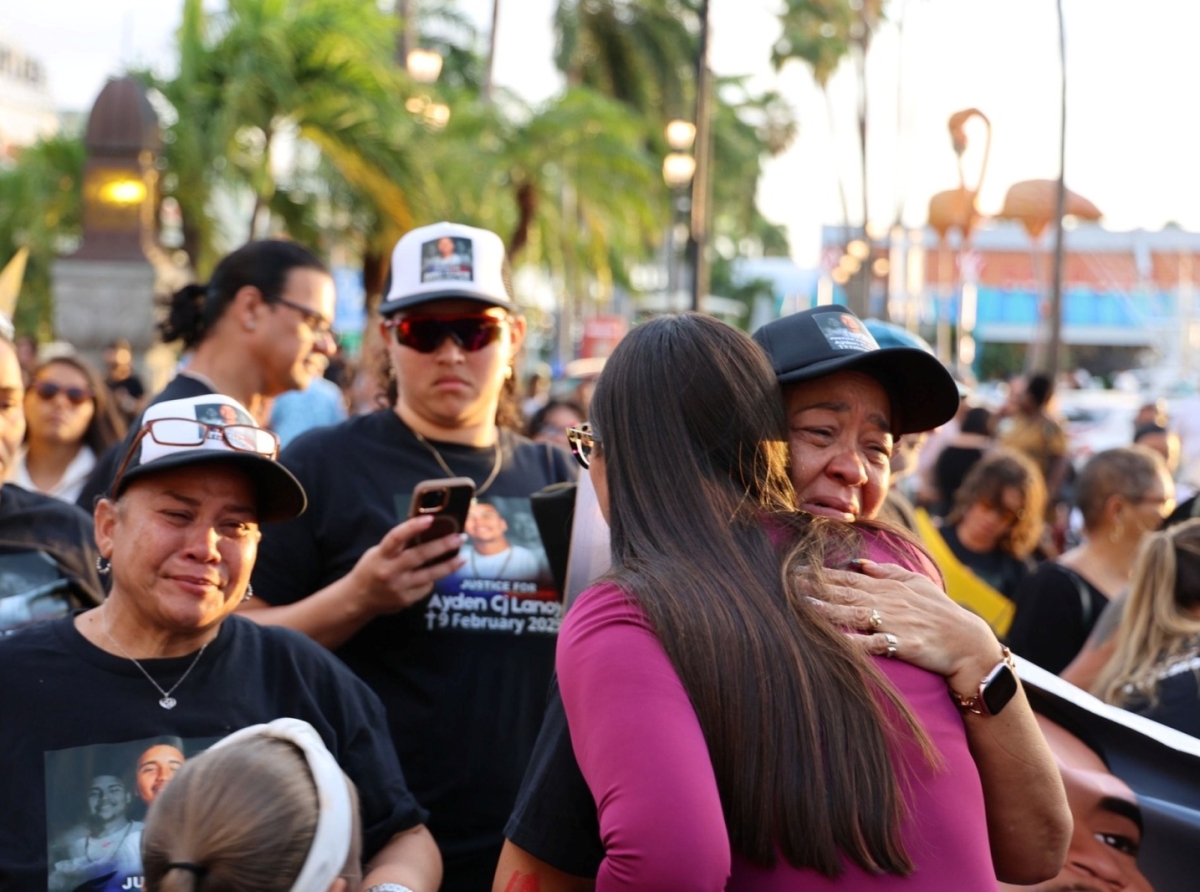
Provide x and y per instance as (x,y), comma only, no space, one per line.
(998,689)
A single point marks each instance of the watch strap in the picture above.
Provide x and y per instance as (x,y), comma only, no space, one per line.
(974,703)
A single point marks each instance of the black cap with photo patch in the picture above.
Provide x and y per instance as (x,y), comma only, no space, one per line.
(823,340)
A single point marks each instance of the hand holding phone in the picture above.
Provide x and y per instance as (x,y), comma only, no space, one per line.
(447,500)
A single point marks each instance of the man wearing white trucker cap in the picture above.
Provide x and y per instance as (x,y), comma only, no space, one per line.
(163,658)
(461,657)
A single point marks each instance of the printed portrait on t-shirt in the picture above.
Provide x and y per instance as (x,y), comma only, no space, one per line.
(447,259)
(96,801)
(505,585)
(32,590)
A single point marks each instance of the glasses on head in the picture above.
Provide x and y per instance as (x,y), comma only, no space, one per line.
(425,334)
(48,390)
(189,432)
(321,327)
(583,439)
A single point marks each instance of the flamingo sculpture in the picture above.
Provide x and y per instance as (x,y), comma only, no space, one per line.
(956,209)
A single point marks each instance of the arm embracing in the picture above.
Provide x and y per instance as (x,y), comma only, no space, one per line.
(1029,822)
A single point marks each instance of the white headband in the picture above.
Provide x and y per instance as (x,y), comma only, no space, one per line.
(335,816)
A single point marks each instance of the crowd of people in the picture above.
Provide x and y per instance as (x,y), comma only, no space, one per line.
(235,659)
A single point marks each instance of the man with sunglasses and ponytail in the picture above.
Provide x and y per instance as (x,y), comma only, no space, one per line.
(461,657)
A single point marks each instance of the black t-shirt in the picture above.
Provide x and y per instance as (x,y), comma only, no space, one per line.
(1056,610)
(126,393)
(85,713)
(181,387)
(997,568)
(463,674)
(555,817)
(1176,703)
(47,559)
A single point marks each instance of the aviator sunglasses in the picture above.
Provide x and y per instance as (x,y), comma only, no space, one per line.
(425,334)
(48,390)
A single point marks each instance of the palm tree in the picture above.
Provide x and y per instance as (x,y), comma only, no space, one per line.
(822,33)
(318,71)
(41,208)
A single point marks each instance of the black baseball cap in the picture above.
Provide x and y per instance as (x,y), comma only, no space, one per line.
(823,340)
(279,494)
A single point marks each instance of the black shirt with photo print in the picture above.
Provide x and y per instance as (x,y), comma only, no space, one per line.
(47,559)
(66,705)
(463,673)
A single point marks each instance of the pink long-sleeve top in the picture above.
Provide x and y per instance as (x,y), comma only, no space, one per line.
(641,750)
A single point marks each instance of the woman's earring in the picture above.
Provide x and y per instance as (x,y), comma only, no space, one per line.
(249,592)
(1115,534)
(508,373)
(103,565)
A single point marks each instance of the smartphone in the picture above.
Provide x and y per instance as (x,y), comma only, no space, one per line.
(448,500)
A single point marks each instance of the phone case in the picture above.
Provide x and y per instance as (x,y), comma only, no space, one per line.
(448,500)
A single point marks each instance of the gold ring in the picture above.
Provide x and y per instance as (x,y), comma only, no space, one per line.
(893,644)
(876,620)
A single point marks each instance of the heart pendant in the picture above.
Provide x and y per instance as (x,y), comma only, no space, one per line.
(167,702)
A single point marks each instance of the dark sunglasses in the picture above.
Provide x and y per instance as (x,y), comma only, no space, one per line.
(188,432)
(48,390)
(583,440)
(426,334)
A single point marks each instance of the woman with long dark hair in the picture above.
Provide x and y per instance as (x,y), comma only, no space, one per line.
(725,727)
(247,333)
(70,421)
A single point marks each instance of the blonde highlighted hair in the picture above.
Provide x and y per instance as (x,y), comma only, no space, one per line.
(1161,619)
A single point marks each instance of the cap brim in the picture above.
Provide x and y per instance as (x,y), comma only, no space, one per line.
(279,494)
(415,300)
(923,392)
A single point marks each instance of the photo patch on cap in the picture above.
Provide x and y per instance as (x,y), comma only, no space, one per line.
(447,259)
(222,413)
(845,332)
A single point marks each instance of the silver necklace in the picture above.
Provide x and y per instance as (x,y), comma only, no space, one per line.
(167,701)
(499,574)
(483,487)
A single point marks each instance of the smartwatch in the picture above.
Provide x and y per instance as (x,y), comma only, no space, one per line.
(997,688)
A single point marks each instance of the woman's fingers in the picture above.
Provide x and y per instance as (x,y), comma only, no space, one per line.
(859,618)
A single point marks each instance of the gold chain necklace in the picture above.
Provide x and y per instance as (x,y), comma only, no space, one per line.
(483,487)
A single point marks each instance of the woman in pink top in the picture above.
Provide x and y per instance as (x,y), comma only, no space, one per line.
(731,735)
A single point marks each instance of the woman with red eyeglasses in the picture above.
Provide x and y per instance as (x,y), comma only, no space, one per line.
(461,651)
(70,421)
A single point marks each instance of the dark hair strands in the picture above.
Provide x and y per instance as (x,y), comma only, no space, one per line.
(800,726)
(192,311)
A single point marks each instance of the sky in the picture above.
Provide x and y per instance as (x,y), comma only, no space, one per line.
(1133,133)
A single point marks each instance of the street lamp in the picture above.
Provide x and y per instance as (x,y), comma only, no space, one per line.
(424,66)
(678,169)
(681,135)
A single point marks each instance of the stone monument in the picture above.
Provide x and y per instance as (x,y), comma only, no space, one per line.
(107,288)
